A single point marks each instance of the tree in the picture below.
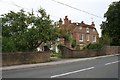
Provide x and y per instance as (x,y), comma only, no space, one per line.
(73,43)
(105,40)
(24,31)
(112,26)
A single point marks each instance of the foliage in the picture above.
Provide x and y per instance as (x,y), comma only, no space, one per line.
(73,43)
(93,46)
(59,46)
(66,36)
(8,45)
(22,31)
(105,40)
(54,54)
(112,24)
(77,47)
(64,33)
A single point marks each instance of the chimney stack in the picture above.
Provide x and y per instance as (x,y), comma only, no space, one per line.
(93,25)
(60,21)
(69,21)
(66,20)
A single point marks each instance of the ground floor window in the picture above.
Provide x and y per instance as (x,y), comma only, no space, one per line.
(81,38)
(87,37)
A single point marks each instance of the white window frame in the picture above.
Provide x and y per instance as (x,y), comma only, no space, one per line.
(87,30)
(94,38)
(87,37)
(81,37)
(93,30)
(80,28)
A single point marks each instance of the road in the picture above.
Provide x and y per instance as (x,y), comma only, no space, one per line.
(106,67)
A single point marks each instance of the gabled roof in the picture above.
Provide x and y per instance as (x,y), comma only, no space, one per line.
(74,27)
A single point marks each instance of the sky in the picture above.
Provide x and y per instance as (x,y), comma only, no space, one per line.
(57,11)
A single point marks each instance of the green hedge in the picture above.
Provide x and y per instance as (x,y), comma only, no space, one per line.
(93,46)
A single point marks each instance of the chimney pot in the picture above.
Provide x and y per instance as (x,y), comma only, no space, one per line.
(82,22)
(66,17)
(66,22)
(93,25)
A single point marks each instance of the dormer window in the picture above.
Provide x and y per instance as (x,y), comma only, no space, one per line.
(87,30)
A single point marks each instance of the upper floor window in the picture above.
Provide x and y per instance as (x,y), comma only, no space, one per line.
(81,38)
(94,38)
(80,28)
(93,29)
(87,30)
(87,37)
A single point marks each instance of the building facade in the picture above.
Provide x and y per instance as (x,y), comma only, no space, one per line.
(83,33)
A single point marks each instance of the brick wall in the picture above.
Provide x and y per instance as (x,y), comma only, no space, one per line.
(108,50)
(24,58)
(70,53)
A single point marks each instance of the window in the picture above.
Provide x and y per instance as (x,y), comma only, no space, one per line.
(87,37)
(87,30)
(93,29)
(94,38)
(80,28)
(81,38)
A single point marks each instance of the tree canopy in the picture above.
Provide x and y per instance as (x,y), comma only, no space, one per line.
(25,31)
(111,26)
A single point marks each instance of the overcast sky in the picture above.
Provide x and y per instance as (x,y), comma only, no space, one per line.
(56,10)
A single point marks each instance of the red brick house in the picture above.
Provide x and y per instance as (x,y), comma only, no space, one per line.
(83,33)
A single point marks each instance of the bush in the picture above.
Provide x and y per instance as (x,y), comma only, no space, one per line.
(54,54)
(78,47)
(105,40)
(73,43)
(93,46)
(59,46)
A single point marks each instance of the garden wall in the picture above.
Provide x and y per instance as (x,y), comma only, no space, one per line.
(70,53)
(24,58)
(108,50)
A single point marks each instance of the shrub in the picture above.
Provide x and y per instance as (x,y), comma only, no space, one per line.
(78,47)
(59,46)
(93,46)
(54,54)
(73,43)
